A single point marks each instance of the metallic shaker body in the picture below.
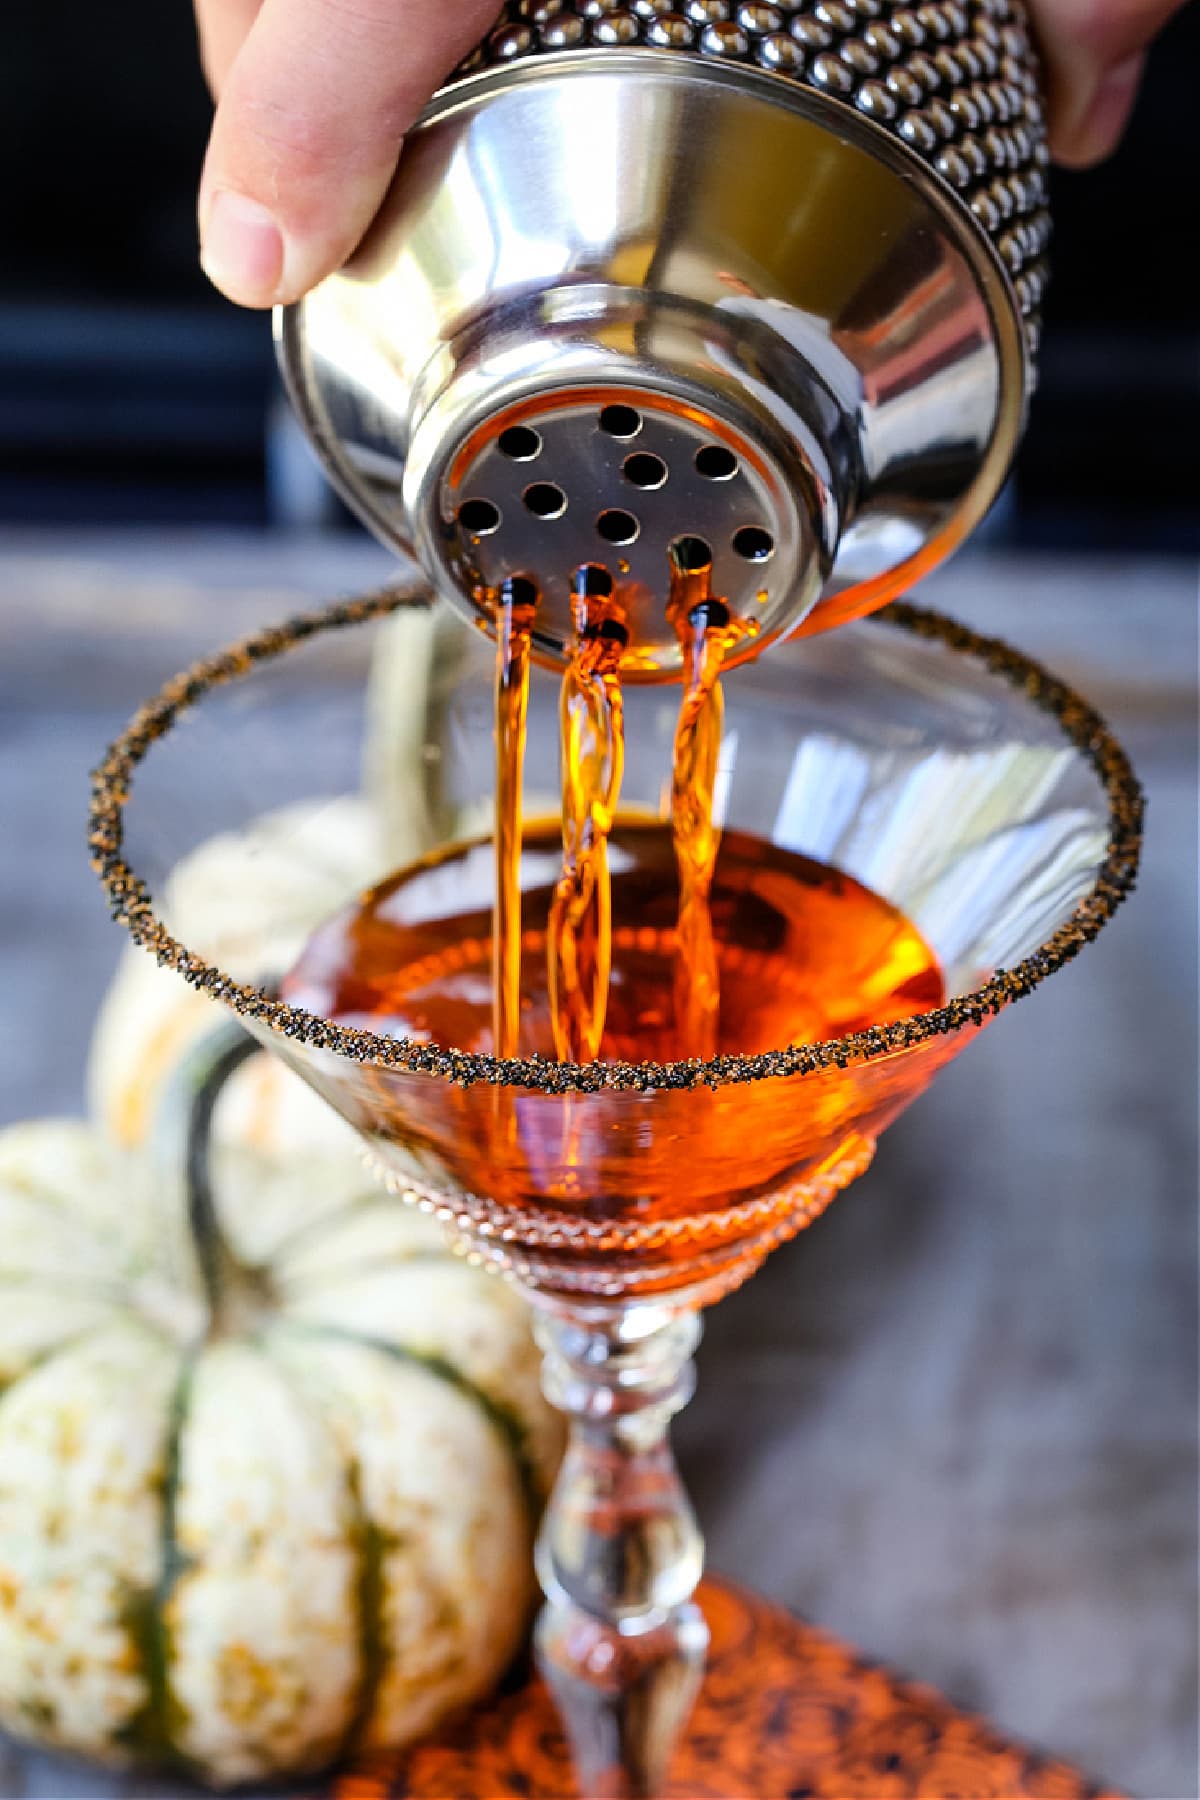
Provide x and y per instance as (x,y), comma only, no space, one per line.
(626,291)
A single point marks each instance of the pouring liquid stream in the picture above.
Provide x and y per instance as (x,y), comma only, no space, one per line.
(514,631)
(703,628)
(579,927)
(592,720)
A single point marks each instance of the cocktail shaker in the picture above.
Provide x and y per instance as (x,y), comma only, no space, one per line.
(759,279)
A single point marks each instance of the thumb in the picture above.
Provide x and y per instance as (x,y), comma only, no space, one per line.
(305,140)
(1094,52)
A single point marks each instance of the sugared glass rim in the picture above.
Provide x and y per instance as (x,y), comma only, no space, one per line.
(131,905)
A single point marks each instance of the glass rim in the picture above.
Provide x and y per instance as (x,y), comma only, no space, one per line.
(131,904)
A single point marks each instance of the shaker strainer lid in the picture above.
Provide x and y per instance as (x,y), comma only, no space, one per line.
(614,301)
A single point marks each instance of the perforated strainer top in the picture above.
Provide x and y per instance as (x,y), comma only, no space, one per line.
(608,482)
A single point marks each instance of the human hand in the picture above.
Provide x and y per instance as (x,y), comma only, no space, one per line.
(315,96)
(1093,53)
(313,100)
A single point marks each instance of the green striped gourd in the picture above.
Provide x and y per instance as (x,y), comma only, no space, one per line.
(270,1458)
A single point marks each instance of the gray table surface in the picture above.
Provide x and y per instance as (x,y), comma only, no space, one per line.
(956,1420)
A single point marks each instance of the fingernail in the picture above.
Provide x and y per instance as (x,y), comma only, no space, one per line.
(241,249)
(1098,130)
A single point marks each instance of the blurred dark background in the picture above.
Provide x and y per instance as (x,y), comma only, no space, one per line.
(130,393)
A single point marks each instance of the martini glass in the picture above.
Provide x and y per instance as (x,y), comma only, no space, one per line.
(947,773)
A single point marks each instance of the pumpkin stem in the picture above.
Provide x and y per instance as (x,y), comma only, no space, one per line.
(233,1294)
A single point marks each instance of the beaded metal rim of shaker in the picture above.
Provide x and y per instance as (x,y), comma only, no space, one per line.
(954,80)
(131,905)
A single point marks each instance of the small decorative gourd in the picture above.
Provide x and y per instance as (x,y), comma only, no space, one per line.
(247,900)
(270,1457)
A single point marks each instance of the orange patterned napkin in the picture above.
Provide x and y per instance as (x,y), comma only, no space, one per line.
(786,1713)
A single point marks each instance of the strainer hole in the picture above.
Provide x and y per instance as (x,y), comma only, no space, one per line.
(520,443)
(716,463)
(691,554)
(519,591)
(617,527)
(479,517)
(545,500)
(620,421)
(644,470)
(593,581)
(753,543)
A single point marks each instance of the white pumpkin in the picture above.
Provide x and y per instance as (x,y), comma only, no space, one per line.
(267,1479)
(247,901)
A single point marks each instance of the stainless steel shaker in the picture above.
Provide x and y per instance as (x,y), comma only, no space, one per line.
(761,277)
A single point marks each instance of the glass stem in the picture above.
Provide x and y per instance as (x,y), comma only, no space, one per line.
(620,1640)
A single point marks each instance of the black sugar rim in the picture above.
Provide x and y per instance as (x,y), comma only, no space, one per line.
(131,905)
